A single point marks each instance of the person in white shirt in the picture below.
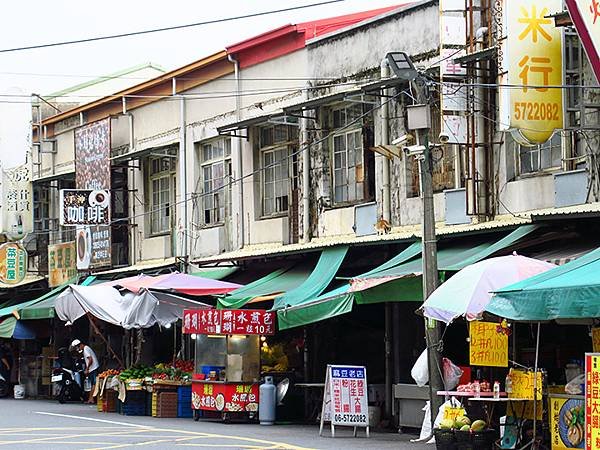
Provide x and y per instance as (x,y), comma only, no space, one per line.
(91,364)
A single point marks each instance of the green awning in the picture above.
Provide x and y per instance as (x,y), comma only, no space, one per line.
(7,327)
(215,273)
(43,307)
(570,291)
(281,280)
(324,272)
(338,301)
(397,280)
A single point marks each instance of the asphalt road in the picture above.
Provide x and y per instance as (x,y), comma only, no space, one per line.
(32,424)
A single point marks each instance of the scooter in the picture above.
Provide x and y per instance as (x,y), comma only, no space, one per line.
(69,377)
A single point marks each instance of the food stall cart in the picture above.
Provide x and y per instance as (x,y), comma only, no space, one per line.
(227,360)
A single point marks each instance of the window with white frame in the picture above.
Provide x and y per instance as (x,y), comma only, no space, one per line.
(216,175)
(541,157)
(276,143)
(161,185)
(348,155)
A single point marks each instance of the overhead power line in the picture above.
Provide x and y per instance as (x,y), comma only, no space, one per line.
(175,27)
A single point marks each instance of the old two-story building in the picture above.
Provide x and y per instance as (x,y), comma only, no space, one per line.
(275,157)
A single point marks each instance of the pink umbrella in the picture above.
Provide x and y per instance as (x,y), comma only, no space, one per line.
(467,293)
(177,282)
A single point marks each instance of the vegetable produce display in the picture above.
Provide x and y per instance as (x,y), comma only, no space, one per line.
(109,373)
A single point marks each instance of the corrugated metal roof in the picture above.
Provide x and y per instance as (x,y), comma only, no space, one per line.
(585,208)
(397,234)
(140,266)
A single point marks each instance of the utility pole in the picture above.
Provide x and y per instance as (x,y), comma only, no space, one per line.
(419,120)
(429,252)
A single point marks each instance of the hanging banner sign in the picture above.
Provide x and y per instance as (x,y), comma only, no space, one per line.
(592,401)
(17,198)
(84,207)
(535,63)
(93,246)
(567,423)
(345,399)
(62,266)
(229,321)
(487,346)
(13,263)
(585,15)
(92,156)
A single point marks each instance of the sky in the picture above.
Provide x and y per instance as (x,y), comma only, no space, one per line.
(46,70)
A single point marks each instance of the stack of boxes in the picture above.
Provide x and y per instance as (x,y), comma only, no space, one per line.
(165,404)
(184,401)
(134,404)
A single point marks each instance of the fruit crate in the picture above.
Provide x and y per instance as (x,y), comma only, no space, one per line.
(109,401)
(99,403)
(184,393)
(445,439)
(134,404)
(166,404)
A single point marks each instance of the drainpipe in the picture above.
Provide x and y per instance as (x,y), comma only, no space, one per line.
(183,178)
(133,230)
(238,151)
(305,175)
(385,138)
(480,161)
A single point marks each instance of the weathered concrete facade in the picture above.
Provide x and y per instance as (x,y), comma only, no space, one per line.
(261,116)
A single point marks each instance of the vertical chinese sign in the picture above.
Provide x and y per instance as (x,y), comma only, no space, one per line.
(592,401)
(585,15)
(488,346)
(535,65)
(92,171)
(62,266)
(13,263)
(17,198)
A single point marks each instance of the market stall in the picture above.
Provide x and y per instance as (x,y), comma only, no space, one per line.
(565,298)
(227,360)
(509,393)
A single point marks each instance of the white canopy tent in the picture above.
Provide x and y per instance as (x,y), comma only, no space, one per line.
(128,310)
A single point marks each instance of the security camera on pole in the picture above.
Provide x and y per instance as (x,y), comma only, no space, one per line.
(419,123)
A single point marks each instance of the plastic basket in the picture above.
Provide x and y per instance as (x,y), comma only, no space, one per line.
(484,440)
(444,439)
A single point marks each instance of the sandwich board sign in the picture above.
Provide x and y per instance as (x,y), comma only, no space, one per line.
(345,401)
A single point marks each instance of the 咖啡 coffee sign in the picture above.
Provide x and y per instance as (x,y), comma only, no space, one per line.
(84,207)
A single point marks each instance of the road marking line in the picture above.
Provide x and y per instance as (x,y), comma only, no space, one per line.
(114,422)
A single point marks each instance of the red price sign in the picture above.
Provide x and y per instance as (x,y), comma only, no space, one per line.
(229,321)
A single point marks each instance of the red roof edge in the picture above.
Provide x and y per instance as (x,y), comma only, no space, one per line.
(261,39)
(289,38)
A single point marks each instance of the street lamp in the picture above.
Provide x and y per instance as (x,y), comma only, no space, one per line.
(402,65)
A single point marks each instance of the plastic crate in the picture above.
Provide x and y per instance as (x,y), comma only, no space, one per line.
(184,411)
(109,401)
(135,404)
(184,393)
(99,403)
(444,439)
